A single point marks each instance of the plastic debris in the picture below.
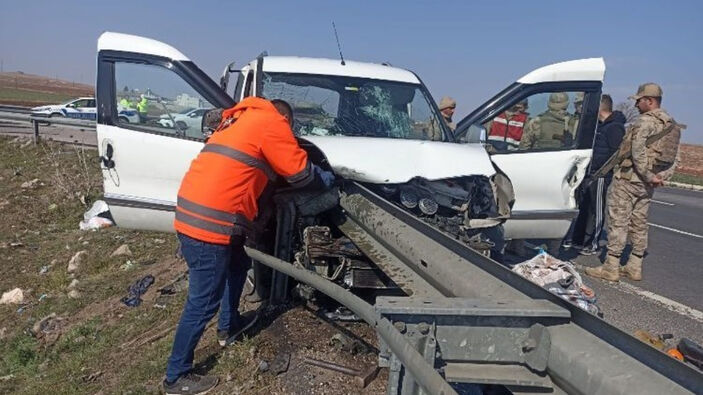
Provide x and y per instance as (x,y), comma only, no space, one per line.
(136,290)
(559,278)
(97,217)
(15,296)
(121,250)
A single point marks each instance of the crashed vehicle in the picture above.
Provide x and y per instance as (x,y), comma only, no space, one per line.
(368,123)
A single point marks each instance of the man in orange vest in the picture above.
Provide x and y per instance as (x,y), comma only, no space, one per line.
(217,203)
(505,131)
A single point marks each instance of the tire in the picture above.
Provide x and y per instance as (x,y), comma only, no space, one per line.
(123,119)
(182,125)
(56,115)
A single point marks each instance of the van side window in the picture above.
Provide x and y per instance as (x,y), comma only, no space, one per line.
(153,99)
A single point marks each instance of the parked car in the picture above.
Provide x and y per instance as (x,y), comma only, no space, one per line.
(370,123)
(188,120)
(80,108)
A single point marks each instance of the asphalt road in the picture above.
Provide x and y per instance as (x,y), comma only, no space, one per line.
(667,300)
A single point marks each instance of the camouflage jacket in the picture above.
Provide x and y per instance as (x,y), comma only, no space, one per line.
(660,157)
(548,130)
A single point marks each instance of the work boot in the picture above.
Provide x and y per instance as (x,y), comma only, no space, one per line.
(608,270)
(633,269)
(191,384)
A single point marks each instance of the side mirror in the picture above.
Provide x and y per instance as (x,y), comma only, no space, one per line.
(211,120)
(71,105)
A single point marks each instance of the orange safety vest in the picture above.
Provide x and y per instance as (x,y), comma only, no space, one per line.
(508,129)
(222,186)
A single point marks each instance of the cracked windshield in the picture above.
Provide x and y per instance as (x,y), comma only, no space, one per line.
(347,106)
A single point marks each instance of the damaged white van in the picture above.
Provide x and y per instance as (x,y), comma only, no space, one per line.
(370,123)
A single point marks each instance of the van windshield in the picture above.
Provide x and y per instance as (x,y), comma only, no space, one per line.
(346,106)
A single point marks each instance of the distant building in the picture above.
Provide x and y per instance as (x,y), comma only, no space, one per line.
(185,100)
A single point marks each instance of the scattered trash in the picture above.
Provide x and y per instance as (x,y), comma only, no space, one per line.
(280,363)
(136,290)
(16,244)
(15,296)
(30,184)
(121,250)
(44,269)
(692,352)
(127,265)
(658,341)
(179,284)
(42,297)
(559,278)
(675,353)
(7,378)
(341,342)
(263,366)
(76,261)
(361,378)
(159,241)
(97,217)
(48,329)
(342,314)
(53,206)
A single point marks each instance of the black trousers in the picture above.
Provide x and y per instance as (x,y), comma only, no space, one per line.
(586,229)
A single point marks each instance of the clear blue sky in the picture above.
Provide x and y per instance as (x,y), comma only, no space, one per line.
(468,50)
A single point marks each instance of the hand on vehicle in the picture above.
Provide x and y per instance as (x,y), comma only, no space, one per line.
(326,177)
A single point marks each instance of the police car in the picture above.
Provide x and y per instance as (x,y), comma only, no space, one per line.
(82,108)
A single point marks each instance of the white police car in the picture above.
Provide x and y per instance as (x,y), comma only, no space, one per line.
(82,108)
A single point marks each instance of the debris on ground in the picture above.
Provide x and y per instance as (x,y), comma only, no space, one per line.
(560,278)
(691,352)
(74,294)
(14,296)
(30,184)
(73,284)
(656,341)
(97,217)
(263,366)
(166,293)
(136,290)
(44,269)
(280,363)
(48,329)
(127,265)
(341,342)
(76,261)
(361,378)
(122,250)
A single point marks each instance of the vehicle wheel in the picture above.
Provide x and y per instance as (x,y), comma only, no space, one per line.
(181,125)
(123,119)
(56,115)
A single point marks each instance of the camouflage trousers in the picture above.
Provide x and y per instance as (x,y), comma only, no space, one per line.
(628,205)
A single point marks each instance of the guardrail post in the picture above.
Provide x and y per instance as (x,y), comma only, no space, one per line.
(36,131)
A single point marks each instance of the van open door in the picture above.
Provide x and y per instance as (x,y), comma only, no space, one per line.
(540,131)
(145,157)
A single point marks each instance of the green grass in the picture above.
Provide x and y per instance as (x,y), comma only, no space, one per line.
(687,179)
(11,95)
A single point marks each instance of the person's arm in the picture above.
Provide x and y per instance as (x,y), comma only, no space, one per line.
(282,152)
(613,136)
(643,129)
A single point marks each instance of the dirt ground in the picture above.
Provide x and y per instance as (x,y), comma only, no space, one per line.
(20,89)
(72,333)
(691,160)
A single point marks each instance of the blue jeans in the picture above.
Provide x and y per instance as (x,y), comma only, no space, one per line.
(216,276)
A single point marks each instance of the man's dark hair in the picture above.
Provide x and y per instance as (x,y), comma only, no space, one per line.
(284,108)
(607,102)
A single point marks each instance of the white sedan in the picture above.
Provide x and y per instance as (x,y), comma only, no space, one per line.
(188,119)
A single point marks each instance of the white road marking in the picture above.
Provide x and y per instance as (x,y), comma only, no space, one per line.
(672,305)
(663,203)
(675,230)
(667,303)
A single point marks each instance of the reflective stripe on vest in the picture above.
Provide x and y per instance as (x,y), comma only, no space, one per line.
(303,177)
(219,215)
(508,130)
(224,230)
(241,157)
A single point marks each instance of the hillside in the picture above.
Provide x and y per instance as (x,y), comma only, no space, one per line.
(20,89)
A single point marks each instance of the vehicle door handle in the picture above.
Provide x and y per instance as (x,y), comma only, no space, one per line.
(107,158)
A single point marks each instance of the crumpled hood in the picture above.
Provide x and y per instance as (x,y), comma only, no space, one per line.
(391,161)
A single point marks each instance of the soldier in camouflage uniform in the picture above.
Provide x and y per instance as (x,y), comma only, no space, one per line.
(644,166)
(551,129)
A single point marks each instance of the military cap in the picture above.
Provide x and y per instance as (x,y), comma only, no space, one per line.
(649,89)
(447,102)
(558,101)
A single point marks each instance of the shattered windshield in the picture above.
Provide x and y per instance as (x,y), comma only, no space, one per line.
(347,106)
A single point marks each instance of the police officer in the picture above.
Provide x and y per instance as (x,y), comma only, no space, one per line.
(446,107)
(217,202)
(651,160)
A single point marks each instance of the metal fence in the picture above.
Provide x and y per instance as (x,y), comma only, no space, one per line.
(23,114)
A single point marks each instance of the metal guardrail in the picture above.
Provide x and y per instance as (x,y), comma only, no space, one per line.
(15,109)
(38,121)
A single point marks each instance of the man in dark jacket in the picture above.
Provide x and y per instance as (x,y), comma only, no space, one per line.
(587,228)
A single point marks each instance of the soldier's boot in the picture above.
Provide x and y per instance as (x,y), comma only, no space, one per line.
(608,270)
(633,269)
